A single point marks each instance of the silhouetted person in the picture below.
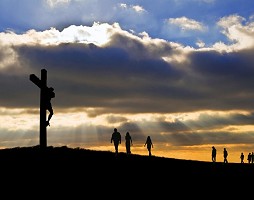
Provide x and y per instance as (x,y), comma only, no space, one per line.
(242,158)
(149,144)
(48,96)
(252,157)
(225,155)
(249,158)
(128,143)
(214,154)
(116,137)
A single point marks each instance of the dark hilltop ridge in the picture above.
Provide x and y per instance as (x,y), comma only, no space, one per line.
(74,173)
(65,161)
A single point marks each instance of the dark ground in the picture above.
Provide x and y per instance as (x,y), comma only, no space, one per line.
(97,171)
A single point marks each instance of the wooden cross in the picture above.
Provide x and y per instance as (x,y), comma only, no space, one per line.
(42,84)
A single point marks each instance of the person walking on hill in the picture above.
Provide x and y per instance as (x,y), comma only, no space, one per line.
(242,158)
(149,145)
(128,143)
(213,154)
(225,154)
(249,158)
(116,138)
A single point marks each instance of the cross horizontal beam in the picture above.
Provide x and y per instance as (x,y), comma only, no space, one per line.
(35,80)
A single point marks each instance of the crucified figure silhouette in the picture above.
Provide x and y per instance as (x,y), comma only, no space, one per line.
(49,95)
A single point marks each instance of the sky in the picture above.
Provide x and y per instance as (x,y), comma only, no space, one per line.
(180,71)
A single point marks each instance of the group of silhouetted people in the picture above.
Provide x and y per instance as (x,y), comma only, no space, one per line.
(116,139)
(250,157)
(214,153)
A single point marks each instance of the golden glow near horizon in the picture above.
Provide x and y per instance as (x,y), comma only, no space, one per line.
(20,121)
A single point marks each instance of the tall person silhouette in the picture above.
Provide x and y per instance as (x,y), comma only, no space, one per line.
(149,145)
(242,158)
(249,158)
(49,95)
(116,138)
(214,154)
(225,154)
(128,143)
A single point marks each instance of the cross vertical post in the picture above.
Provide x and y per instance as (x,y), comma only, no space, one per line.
(42,84)
(43,129)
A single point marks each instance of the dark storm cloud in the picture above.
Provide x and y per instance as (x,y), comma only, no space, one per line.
(16,91)
(206,121)
(225,78)
(86,75)
(139,49)
(128,75)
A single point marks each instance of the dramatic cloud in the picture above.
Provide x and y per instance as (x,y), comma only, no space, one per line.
(117,71)
(241,35)
(180,71)
(186,24)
